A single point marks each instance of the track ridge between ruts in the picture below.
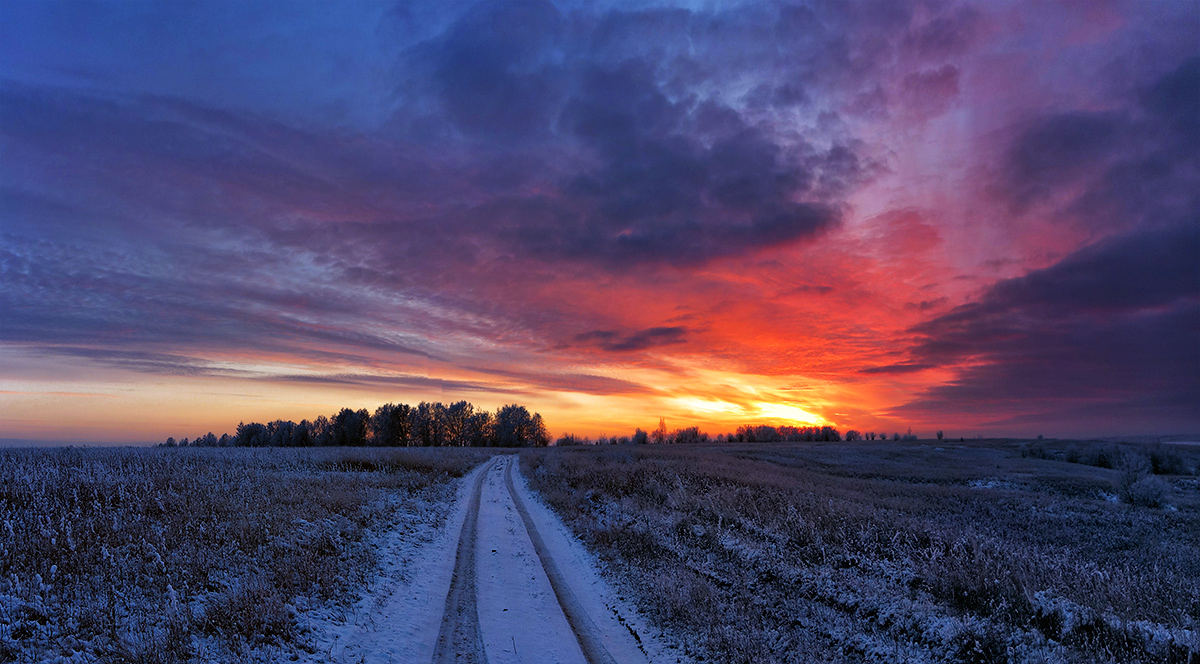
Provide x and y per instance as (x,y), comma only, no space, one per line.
(581,624)
(459,640)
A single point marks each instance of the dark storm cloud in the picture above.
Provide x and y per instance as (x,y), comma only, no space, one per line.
(1142,275)
(897,369)
(678,183)
(1175,98)
(492,70)
(1154,176)
(654,172)
(613,341)
(1113,326)
(926,305)
(1056,150)
(629,164)
(1141,370)
(1134,165)
(1111,331)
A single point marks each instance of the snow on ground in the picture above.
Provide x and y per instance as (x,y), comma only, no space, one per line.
(518,612)
(398,618)
(627,635)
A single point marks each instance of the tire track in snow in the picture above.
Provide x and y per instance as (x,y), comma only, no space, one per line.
(581,624)
(459,640)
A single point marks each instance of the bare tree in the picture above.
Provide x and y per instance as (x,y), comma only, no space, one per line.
(659,435)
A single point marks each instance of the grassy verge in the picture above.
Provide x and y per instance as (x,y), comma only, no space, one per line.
(176,555)
(892,552)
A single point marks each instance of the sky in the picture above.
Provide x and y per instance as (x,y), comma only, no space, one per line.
(976,217)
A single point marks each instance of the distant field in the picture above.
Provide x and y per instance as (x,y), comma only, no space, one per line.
(989,551)
(175,555)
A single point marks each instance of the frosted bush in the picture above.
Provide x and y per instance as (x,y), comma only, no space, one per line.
(1147,491)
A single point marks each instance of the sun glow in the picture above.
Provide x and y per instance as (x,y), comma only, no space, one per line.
(793,414)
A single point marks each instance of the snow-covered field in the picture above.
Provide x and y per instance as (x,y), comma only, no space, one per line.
(200,555)
(653,554)
(857,552)
(178,555)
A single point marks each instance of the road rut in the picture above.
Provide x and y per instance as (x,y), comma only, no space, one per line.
(459,641)
(590,641)
(520,593)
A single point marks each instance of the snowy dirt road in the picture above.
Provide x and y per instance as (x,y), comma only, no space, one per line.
(502,582)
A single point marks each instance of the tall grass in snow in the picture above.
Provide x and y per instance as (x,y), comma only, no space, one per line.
(900,553)
(175,555)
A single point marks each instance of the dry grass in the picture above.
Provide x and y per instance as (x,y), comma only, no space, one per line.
(176,555)
(888,552)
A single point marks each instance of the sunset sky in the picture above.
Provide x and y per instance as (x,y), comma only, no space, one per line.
(977,217)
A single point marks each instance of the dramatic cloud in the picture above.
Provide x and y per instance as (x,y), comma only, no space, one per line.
(655,336)
(1112,328)
(617,211)
(623,162)
(1116,168)
(1109,333)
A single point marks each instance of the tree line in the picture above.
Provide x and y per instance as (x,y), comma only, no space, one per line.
(764,433)
(750,433)
(459,424)
(853,435)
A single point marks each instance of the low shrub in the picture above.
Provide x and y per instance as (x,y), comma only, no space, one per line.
(1145,490)
(1158,458)
(1166,461)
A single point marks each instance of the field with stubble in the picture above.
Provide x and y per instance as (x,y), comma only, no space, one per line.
(209,555)
(992,551)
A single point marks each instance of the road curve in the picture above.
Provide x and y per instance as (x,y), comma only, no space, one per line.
(459,640)
(583,627)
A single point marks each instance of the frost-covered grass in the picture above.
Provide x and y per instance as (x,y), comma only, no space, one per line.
(177,555)
(889,552)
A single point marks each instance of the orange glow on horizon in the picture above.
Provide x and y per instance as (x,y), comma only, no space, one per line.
(790,358)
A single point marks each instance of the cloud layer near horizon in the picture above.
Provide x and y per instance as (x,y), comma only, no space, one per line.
(882,213)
